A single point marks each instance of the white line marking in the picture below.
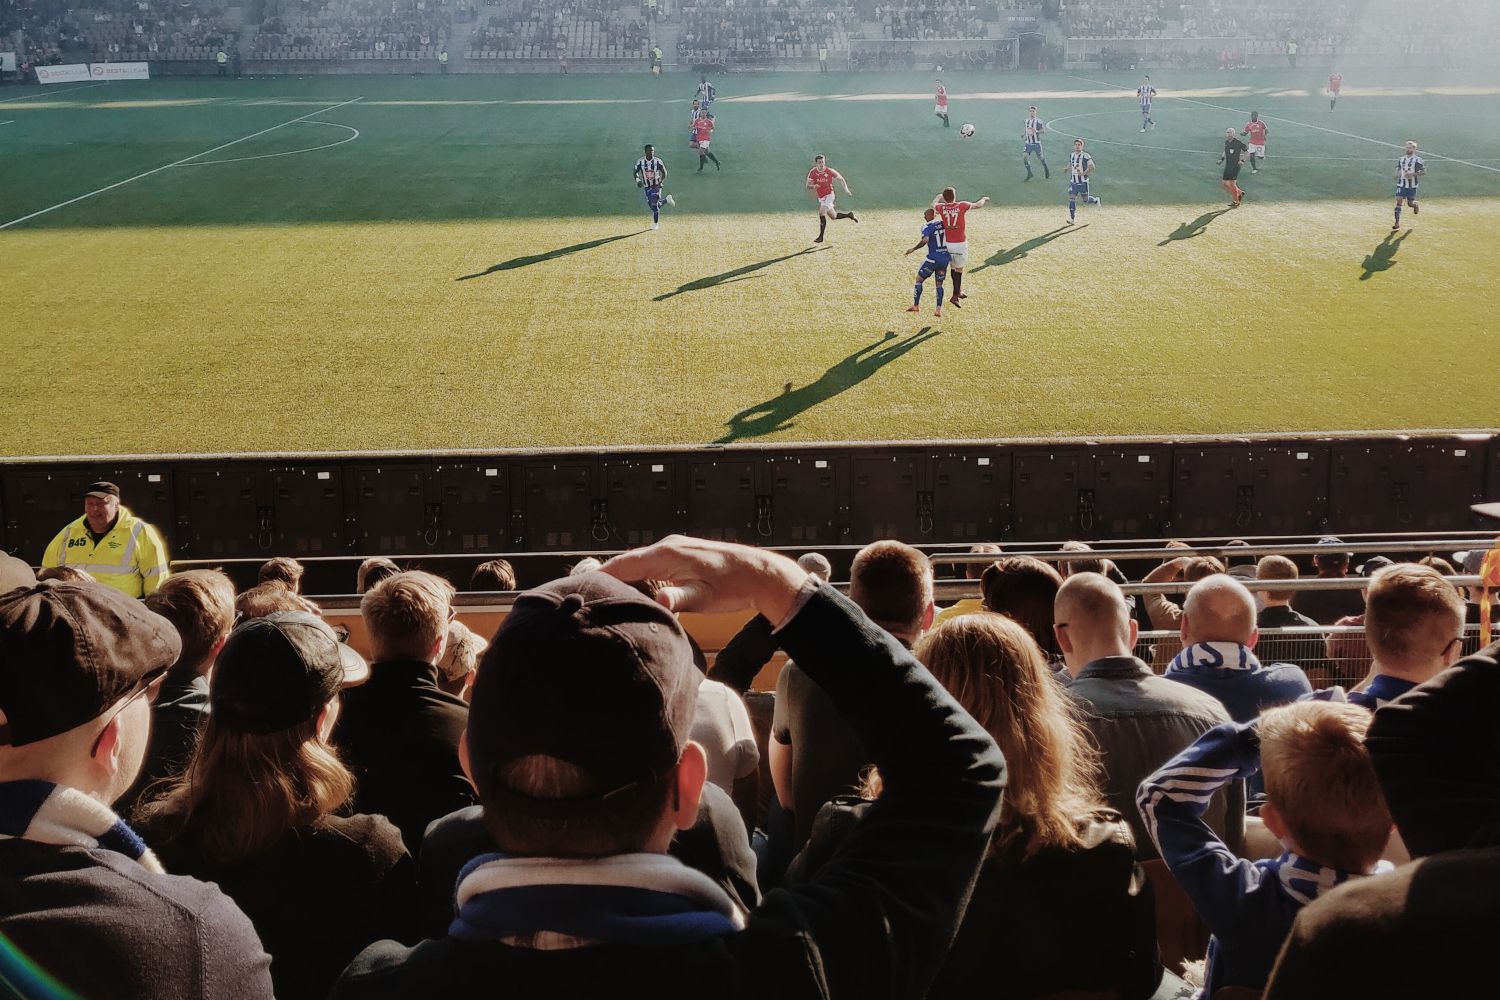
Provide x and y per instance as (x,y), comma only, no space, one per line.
(289,152)
(168,166)
(1319,128)
(11,122)
(50,93)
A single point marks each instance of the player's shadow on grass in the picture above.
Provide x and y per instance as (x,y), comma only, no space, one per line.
(1021,250)
(1197,227)
(776,413)
(698,284)
(1384,256)
(515,262)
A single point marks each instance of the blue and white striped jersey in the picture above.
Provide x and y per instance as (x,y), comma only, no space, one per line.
(1078,166)
(650,172)
(1409,164)
(1145,92)
(1034,128)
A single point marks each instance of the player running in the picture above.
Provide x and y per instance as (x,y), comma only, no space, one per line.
(1256,130)
(941,110)
(1031,138)
(651,174)
(701,130)
(953,214)
(706,94)
(936,264)
(1147,94)
(1409,171)
(1234,150)
(1080,169)
(694,113)
(1335,84)
(820,182)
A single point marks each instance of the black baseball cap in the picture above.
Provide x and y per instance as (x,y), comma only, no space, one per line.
(279,671)
(14,574)
(102,489)
(68,651)
(1332,541)
(1373,565)
(588,670)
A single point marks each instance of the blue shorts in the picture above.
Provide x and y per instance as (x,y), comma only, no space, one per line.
(930,267)
(1033,147)
(1146,108)
(1079,188)
(1409,193)
(653,196)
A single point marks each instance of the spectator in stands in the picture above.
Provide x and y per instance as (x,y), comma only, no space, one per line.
(1137,719)
(972,571)
(1060,857)
(268,598)
(1471,563)
(460,659)
(1348,653)
(372,571)
(1241,567)
(119,549)
(283,570)
(85,900)
(400,731)
(1276,612)
(1323,803)
(566,712)
(257,810)
(1328,606)
(722,728)
(1024,590)
(1163,613)
(1087,564)
(816,564)
(1218,637)
(815,753)
(494,574)
(67,574)
(1414,624)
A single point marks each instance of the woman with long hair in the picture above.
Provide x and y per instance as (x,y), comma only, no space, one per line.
(1060,904)
(257,808)
(1024,589)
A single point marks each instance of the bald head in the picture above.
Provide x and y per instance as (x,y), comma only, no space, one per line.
(1219,609)
(1093,620)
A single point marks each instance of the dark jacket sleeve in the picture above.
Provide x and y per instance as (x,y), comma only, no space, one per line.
(1436,750)
(235,966)
(744,655)
(879,916)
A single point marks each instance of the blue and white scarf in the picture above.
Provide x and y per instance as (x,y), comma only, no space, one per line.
(1203,656)
(559,903)
(1305,880)
(55,814)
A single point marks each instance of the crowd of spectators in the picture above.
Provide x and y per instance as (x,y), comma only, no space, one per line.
(974,57)
(371,29)
(725,32)
(574,30)
(117,31)
(935,19)
(1110,20)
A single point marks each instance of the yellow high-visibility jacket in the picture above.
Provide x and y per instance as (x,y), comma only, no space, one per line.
(132,558)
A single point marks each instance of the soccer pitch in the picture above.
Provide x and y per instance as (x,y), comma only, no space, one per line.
(434,262)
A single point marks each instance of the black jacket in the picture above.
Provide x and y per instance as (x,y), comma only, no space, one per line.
(399,733)
(877,920)
(181,708)
(111,930)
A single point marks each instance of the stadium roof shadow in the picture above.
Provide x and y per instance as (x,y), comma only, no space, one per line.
(515,262)
(698,284)
(777,413)
(1383,257)
(1197,227)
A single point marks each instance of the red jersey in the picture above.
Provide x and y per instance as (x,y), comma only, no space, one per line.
(822,180)
(1257,133)
(1335,82)
(701,128)
(953,214)
(942,96)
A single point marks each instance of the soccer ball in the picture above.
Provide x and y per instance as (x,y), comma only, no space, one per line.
(966,130)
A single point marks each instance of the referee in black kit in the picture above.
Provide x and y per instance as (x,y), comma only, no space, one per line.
(1234,151)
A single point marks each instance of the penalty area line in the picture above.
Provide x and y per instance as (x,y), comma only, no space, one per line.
(169,166)
(50,93)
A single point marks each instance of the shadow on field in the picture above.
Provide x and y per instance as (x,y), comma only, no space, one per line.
(515,262)
(776,413)
(1021,250)
(698,284)
(1197,227)
(1383,258)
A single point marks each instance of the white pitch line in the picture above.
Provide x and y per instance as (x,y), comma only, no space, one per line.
(1319,128)
(290,152)
(50,93)
(169,166)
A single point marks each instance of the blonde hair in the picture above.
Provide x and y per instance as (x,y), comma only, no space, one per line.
(1320,779)
(282,569)
(1276,568)
(995,670)
(461,658)
(200,605)
(407,615)
(267,599)
(1411,614)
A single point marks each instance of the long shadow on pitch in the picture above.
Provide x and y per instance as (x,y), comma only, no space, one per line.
(1383,258)
(1021,250)
(697,285)
(1197,227)
(776,413)
(515,262)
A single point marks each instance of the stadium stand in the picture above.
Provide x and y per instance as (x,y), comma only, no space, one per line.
(729,34)
(355,30)
(583,32)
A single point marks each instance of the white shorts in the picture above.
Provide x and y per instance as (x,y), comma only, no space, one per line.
(941,109)
(958,253)
(1258,150)
(825,203)
(703,145)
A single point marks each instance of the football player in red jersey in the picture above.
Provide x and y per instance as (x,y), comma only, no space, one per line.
(954,214)
(1256,130)
(1335,84)
(820,181)
(701,128)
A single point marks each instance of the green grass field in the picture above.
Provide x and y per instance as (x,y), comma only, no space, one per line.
(464,262)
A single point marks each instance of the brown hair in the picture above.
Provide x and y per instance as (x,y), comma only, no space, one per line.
(588,827)
(242,792)
(892,583)
(372,571)
(267,599)
(283,570)
(1276,568)
(200,605)
(1411,614)
(1024,589)
(496,574)
(1438,563)
(992,666)
(1320,779)
(1093,564)
(975,570)
(407,615)
(1199,567)
(70,574)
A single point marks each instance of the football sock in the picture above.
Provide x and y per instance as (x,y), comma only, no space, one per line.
(1398,215)
(822,225)
(940,294)
(715,159)
(1072,209)
(916,294)
(843,215)
(1027,165)
(655,214)
(1046,170)
(958,283)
